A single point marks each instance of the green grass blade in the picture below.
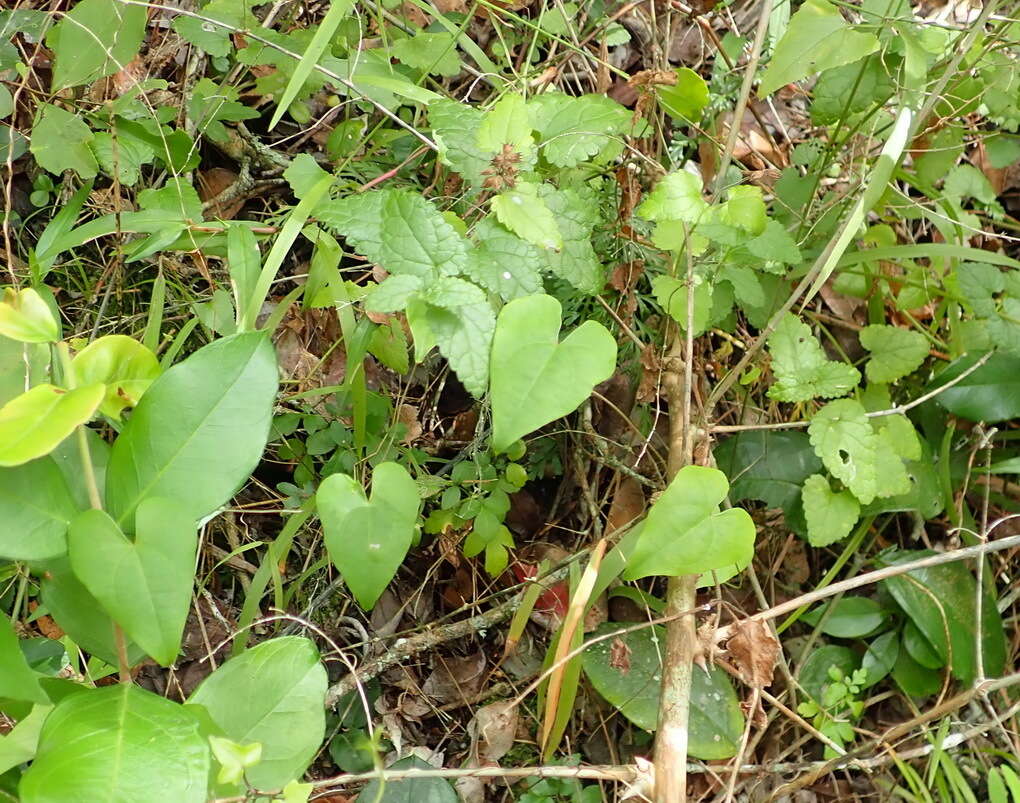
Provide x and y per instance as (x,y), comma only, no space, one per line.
(338,9)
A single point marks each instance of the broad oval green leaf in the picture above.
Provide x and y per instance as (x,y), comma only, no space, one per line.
(368,539)
(817,38)
(941,600)
(32,424)
(118,743)
(686,533)
(26,317)
(36,507)
(272,694)
(411,790)
(849,617)
(814,672)
(536,379)
(199,430)
(990,393)
(144,585)
(96,38)
(124,365)
(627,670)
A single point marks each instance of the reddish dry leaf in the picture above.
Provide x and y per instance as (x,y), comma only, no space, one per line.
(619,656)
(754,651)
(211,183)
(408,416)
(492,730)
(651,371)
(628,505)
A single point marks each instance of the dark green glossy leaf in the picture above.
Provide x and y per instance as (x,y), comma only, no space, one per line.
(990,394)
(941,600)
(18,680)
(914,679)
(770,467)
(413,790)
(626,670)
(850,617)
(814,672)
(880,658)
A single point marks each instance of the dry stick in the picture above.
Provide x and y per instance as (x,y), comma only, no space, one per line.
(671,735)
(884,573)
(745,94)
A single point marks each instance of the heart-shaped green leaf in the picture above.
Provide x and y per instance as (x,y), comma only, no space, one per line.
(32,424)
(537,379)
(123,364)
(368,540)
(145,585)
(118,743)
(79,614)
(685,533)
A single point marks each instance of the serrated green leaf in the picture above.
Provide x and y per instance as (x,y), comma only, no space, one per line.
(433,53)
(61,140)
(895,352)
(686,533)
(122,158)
(774,244)
(818,38)
(830,516)
(744,209)
(461,319)
(504,263)
(523,212)
(800,366)
(843,438)
(576,261)
(507,125)
(572,130)
(455,129)
(535,377)
(677,196)
(400,231)
(393,293)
